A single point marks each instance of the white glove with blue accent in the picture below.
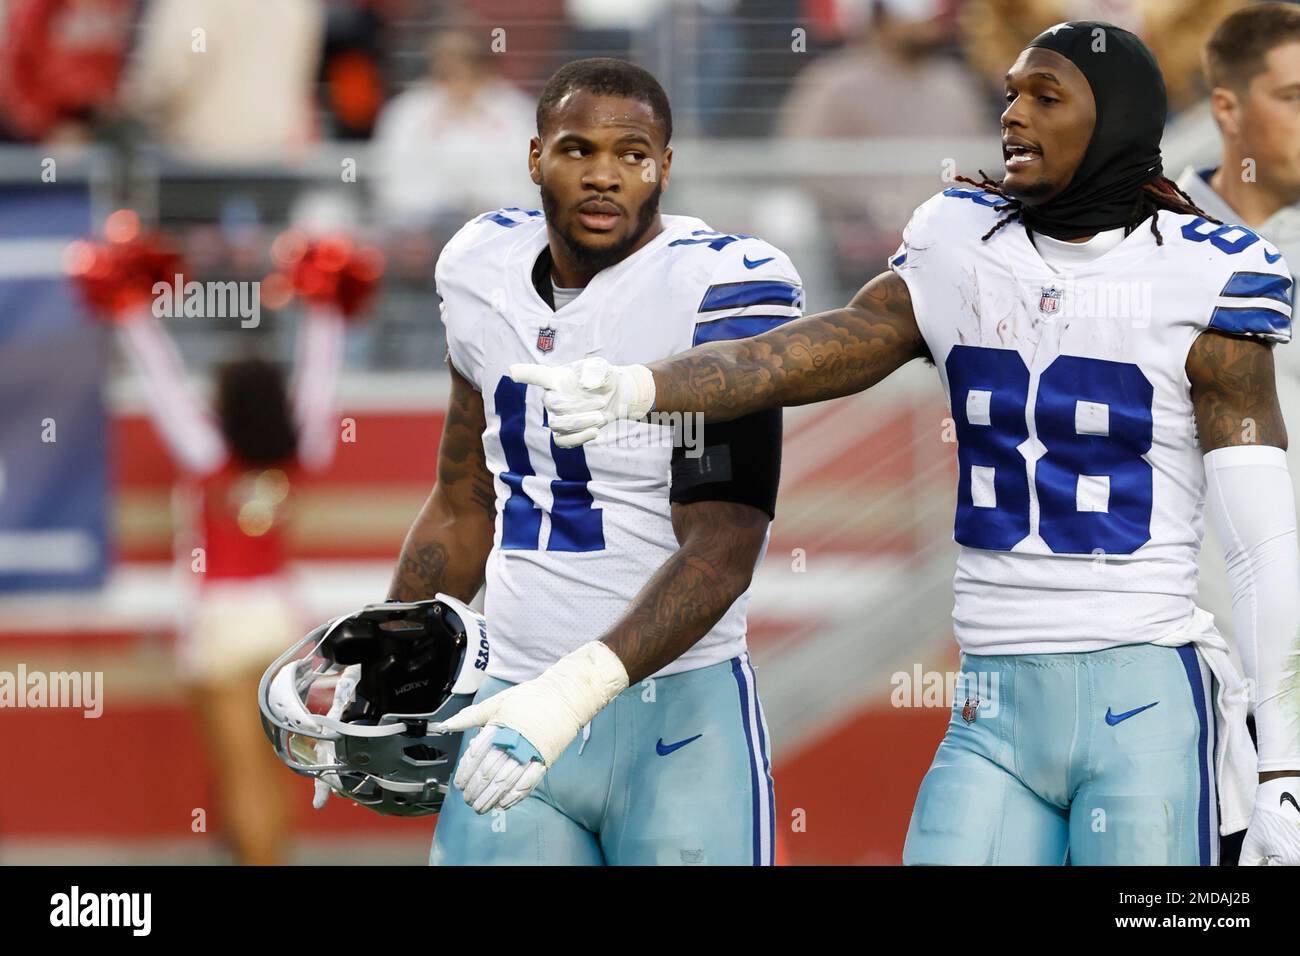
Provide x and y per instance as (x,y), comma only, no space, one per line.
(1273,837)
(582,397)
(528,726)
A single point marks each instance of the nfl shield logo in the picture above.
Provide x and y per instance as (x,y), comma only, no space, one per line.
(971,710)
(545,339)
(1050,300)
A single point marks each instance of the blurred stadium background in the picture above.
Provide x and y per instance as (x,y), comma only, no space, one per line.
(818,124)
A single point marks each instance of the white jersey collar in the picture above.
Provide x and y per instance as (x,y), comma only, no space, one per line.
(1064,256)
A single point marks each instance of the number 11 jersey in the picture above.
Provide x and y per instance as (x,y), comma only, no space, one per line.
(1080,478)
(580,531)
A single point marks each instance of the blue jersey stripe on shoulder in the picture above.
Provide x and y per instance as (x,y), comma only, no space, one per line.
(501,219)
(740,327)
(1256,321)
(980,196)
(731,295)
(1255,285)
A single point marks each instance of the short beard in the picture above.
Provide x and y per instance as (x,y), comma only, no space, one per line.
(1033,194)
(595,260)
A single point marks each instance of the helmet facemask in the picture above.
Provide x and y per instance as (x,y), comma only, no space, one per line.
(351,703)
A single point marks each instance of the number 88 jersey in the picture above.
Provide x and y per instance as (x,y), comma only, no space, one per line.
(1080,476)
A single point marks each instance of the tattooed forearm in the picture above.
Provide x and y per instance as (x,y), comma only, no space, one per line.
(462,466)
(459,516)
(691,591)
(1233,392)
(420,568)
(808,360)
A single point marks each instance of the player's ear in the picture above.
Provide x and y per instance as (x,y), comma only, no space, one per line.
(665,168)
(535,160)
(1226,109)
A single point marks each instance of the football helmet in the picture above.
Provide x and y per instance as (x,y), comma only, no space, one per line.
(351,703)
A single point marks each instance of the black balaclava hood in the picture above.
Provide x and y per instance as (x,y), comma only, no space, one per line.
(1124,151)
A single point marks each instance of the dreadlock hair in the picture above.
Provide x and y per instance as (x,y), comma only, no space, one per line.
(1160,193)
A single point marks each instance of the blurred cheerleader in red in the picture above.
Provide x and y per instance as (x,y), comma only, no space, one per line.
(240,462)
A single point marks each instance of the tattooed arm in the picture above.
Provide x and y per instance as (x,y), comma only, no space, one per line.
(1250,497)
(820,356)
(1233,392)
(719,545)
(447,547)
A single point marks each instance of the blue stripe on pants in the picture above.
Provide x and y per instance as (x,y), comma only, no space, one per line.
(767,771)
(739,674)
(1192,664)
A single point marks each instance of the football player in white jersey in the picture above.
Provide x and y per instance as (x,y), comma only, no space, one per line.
(623,724)
(1107,353)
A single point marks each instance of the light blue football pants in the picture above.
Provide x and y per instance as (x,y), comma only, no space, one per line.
(674,771)
(1100,758)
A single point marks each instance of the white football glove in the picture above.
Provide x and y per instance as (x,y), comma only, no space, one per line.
(1273,837)
(584,396)
(528,726)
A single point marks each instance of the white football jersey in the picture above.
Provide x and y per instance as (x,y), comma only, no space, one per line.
(580,531)
(1080,477)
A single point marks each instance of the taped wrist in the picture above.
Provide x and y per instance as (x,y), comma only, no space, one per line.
(638,392)
(581,683)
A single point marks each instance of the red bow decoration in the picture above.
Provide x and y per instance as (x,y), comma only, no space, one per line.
(330,271)
(118,274)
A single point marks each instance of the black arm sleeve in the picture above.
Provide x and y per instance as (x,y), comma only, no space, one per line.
(740,462)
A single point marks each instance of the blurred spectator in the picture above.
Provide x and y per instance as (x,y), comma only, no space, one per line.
(229,80)
(713,72)
(997,30)
(535,37)
(610,27)
(695,49)
(60,61)
(888,81)
(352,69)
(892,79)
(455,144)
(1253,62)
(766,44)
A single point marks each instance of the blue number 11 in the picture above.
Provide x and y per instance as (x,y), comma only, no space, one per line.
(575,524)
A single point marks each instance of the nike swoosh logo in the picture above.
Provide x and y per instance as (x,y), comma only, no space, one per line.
(756,263)
(1114,719)
(1270,259)
(1287,798)
(663,749)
